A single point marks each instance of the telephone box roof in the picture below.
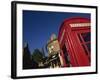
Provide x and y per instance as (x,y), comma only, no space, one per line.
(74,20)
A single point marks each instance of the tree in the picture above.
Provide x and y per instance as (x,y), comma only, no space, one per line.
(28,62)
(37,56)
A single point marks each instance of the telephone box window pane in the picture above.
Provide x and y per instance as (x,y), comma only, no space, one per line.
(79,38)
(86,36)
(85,50)
(89,46)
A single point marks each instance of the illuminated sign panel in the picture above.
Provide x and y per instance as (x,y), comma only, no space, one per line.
(80,24)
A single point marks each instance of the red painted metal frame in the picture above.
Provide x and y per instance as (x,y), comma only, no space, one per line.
(70,39)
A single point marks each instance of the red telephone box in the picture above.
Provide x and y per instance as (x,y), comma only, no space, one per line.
(75,42)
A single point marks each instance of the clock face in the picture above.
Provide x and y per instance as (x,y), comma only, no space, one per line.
(53,46)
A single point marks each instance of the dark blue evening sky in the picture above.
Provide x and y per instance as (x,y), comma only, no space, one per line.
(39,25)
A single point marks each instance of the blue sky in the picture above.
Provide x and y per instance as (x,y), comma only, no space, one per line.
(39,25)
